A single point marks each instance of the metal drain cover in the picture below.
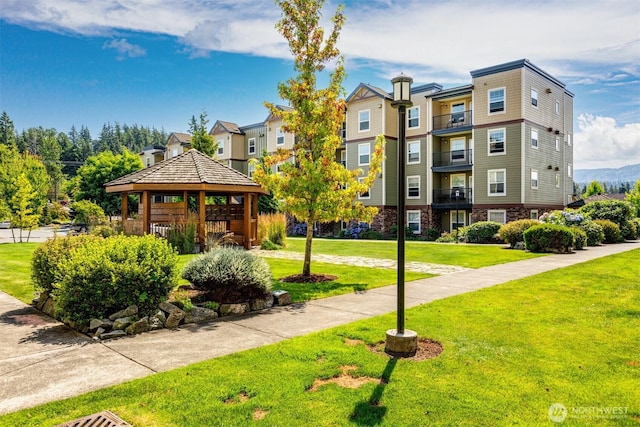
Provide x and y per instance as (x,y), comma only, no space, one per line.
(101,419)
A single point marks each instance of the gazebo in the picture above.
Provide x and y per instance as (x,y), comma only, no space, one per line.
(192,187)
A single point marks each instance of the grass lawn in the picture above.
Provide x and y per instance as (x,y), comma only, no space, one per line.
(568,336)
(464,255)
(15,270)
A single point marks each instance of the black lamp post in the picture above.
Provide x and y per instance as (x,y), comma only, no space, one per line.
(401,342)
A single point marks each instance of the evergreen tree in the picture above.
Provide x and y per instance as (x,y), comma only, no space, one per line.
(7,131)
(200,138)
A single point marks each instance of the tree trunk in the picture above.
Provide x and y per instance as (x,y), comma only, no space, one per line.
(306,267)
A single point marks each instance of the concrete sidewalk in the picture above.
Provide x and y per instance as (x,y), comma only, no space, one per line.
(42,360)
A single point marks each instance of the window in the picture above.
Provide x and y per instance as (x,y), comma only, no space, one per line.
(366,194)
(569,170)
(413,117)
(497,182)
(557,180)
(533,214)
(457,219)
(458,152)
(534,138)
(174,152)
(363,121)
(279,136)
(557,144)
(557,107)
(569,139)
(220,147)
(457,114)
(148,161)
(413,187)
(534,98)
(497,215)
(534,179)
(252,146)
(413,152)
(364,152)
(496,141)
(413,221)
(251,170)
(343,131)
(343,158)
(496,100)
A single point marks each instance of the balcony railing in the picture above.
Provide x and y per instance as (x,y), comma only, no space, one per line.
(453,158)
(452,121)
(453,196)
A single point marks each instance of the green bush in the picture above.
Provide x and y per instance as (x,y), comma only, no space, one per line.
(482,232)
(273,227)
(636,222)
(611,230)
(182,236)
(579,238)
(87,212)
(268,245)
(447,237)
(103,231)
(371,234)
(106,275)
(48,256)
(617,211)
(549,238)
(629,230)
(595,235)
(431,234)
(231,275)
(512,232)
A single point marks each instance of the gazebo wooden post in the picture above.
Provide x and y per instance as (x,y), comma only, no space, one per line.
(185,199)
(146,211)
(247,220)
(202,214)
(254,216)
(125,207)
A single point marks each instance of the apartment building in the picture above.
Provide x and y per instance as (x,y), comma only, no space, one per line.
(499,148)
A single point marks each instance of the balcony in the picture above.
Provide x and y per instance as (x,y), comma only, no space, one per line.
(452,161)
(453,198)
(454,122)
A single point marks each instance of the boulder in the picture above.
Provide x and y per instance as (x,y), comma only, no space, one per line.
(113,334)
(98,333)
(281,297)
(155,323)
(138,327)
(168,307)
(200,314)
(132,310)
(49,307)
(174,318)
(42,298)
(231,309)
(122,323)
(100,323)
(262,303)
(160,316)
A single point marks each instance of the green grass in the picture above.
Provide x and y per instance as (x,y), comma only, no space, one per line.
(15,270)
(568,336)
(464,255)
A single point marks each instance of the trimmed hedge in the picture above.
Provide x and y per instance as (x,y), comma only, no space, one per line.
(595,235)
(611,230)
(617,211)
(629,230)
(482,232)
(549,238)
(105,275)
(579,238)
(512,232)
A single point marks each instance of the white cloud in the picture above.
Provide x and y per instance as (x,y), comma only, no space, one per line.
(124,48)
(601,143)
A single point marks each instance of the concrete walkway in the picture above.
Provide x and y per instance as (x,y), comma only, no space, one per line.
(42,360)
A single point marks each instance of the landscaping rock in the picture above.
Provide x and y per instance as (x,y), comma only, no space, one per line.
(520,246)
(132,310)
(99,332)
(100,323)
(155,323)
(42,298)
(281,297)
(261,304)
(138,327)
(122,323)
(49,307)
(167,307)
(200,314)
(231,309)
(113,334)
(77,326)
(160,316)
(174,318)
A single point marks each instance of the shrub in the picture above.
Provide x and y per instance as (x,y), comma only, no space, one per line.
(273,227)
(299,229)
(106,275)
(512,232)
(447,237)
(617,211)
(268,245)
(629,230)
(371,234)
(595,235)
(354,231)
(636,222)
(549,238)
(482,232)
(579,238)
(182,235)
(232,275)
(610,229)
(48,256)
(566,217)
(104,231)
(87,212)
(431,234)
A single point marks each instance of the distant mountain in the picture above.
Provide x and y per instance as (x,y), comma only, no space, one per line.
(630,173)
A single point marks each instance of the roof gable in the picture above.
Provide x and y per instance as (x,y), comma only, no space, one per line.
(222,126)
(364,90)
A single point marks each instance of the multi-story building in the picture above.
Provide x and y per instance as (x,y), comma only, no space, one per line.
(497,149)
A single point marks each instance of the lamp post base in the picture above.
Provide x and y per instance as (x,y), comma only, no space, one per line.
(401,345)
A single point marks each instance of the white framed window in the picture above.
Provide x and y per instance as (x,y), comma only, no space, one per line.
(569,170)
(251,146)
(364,120)
(343,225)
(413,221)
(497,100)
(496,138)
(343,158)
(557,143)
(279,136)
(366,194)
(534,138)
(497,182)
(569,139)
(251,170)
(534,98)
(413,187)
(497,215)
(458,151)
(364,154)
(557,107)
(343,131)
(413,117)
(413,152)
(534,179)
(533,214)
(220,147)
(557,180)
(457,114)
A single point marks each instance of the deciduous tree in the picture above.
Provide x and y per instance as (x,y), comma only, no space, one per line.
(312,185)
(25,212)
(633,197)
(593,189)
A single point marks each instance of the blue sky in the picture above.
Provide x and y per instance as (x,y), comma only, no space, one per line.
(158,62)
